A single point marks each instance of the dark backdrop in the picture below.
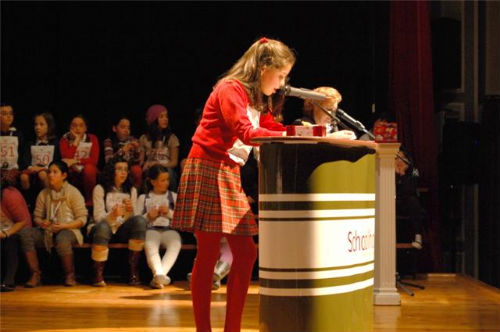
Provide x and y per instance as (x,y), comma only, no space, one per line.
(102,59)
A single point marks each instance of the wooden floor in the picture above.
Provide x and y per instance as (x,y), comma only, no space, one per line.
(449,303)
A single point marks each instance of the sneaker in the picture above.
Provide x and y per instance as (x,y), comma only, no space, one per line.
(166,281)
(162,279)
(155,284)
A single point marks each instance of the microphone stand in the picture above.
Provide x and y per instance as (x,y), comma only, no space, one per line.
(335,120)
(354,123)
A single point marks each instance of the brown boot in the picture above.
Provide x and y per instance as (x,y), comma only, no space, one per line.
(32,260)
(69,270)
(99,271)
(133,260)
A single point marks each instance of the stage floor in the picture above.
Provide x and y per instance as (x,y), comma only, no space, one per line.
(449,303)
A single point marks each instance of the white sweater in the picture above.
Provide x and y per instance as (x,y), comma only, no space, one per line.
(102,209)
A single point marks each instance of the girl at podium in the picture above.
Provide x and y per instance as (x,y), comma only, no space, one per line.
(211,202)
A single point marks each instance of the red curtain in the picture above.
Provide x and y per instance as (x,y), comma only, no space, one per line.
(411,101)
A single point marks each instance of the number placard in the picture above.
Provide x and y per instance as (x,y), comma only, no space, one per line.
(8,152)
(115,199)
(156,202)
(83,150)
(162,154)
(42,155)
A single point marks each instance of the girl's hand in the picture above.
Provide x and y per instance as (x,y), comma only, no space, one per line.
(117,211)
(45,224)
(153,213)
(127,147)
(56,227)
(343,134)
(127,203)
(76,138)
(400,167)
(164,210)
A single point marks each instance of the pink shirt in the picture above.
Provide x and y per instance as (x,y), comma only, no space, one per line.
(14,206)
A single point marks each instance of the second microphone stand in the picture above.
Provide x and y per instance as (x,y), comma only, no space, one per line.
(336,121)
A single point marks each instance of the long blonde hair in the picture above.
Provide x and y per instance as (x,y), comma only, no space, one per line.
(264,52)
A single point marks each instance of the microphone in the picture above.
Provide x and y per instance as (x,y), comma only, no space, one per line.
(287,90)
(346,117)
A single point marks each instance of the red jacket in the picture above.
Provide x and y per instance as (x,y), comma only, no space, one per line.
(68,151)
(225,120)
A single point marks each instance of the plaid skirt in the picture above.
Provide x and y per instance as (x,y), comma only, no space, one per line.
(210,199)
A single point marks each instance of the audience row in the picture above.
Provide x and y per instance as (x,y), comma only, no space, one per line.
(119,215)
(111,210)
(25,162)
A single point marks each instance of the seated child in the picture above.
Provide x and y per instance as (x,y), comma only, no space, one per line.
(157,206)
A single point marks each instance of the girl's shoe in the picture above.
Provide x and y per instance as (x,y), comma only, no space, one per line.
(417,243)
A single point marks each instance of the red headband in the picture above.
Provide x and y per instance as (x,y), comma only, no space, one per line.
(263,40)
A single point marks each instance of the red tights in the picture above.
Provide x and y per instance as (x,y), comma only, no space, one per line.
(244,255)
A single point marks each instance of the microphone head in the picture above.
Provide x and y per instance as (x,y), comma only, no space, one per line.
(284,90)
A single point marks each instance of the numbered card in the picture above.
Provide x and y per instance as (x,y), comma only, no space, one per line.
(113,199)
(154,203)
(42,155)
(162,154)
(83,150)
(8,152)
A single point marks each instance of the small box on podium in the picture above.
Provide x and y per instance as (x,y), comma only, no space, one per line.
(385,131)
(314,130)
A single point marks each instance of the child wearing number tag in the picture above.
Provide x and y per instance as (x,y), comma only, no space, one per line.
(157,206)
(11,145)
(80,151)
(40,152)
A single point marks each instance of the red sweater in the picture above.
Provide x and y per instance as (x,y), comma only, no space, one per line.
(224,120)
(68,151)
(267,121)
(14,206)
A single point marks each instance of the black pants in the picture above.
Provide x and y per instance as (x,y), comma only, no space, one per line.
(409,207)
(10,251)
